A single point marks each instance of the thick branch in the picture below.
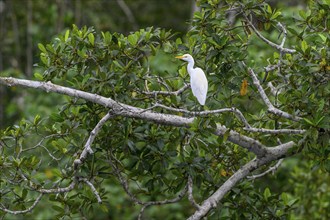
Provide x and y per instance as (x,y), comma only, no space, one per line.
(275,131)
(246,142)
(134,112)
(117,107)
(234,110)
(212,202)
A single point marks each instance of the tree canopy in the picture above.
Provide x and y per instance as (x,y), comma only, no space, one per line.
(120,134)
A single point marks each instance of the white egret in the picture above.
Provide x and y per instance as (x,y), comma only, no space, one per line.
(198,81)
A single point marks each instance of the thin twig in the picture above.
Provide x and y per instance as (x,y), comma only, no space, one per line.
(190,193)
(266,100)
(163,202)
(22,211)
(270,43)
(123,181)
(271,169)
(178,92)
(39,144)
(89,142)
(97,195)
(125,186)
(57,190)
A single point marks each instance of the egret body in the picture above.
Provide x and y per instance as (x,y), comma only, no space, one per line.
(198,81)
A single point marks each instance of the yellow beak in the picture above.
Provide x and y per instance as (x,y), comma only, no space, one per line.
(179,57)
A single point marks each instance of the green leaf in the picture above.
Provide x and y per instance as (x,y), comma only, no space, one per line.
(57,172)
(56,117)
(58,208)
(267,25)
(66,36)
(36,119)
(226,135)
(91,38)
(132,39)
(104,208)
(117,64)
(304,46)
(183,72)
(267,194)
(319,121)
(107,37)
(308,121)
(38,76)
(324,38)
(178,41)
(269,9)
(302,14)
(284,198)
(275,15)
(42,48)
(44,59)
(50,48)
(24,193)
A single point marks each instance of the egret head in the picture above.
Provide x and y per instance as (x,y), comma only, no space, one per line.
(186,57)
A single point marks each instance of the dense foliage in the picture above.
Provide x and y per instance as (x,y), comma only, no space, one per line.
(157,160)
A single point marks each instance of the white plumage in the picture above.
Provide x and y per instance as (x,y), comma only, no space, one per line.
(198,81)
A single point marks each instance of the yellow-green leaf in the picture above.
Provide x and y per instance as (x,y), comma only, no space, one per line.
(132,39)
(66,36)
(304,46)
(267,194)
(42,48)
(38,76)
(91,38)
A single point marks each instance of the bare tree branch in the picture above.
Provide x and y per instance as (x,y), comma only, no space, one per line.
(134,112)
(117,107)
